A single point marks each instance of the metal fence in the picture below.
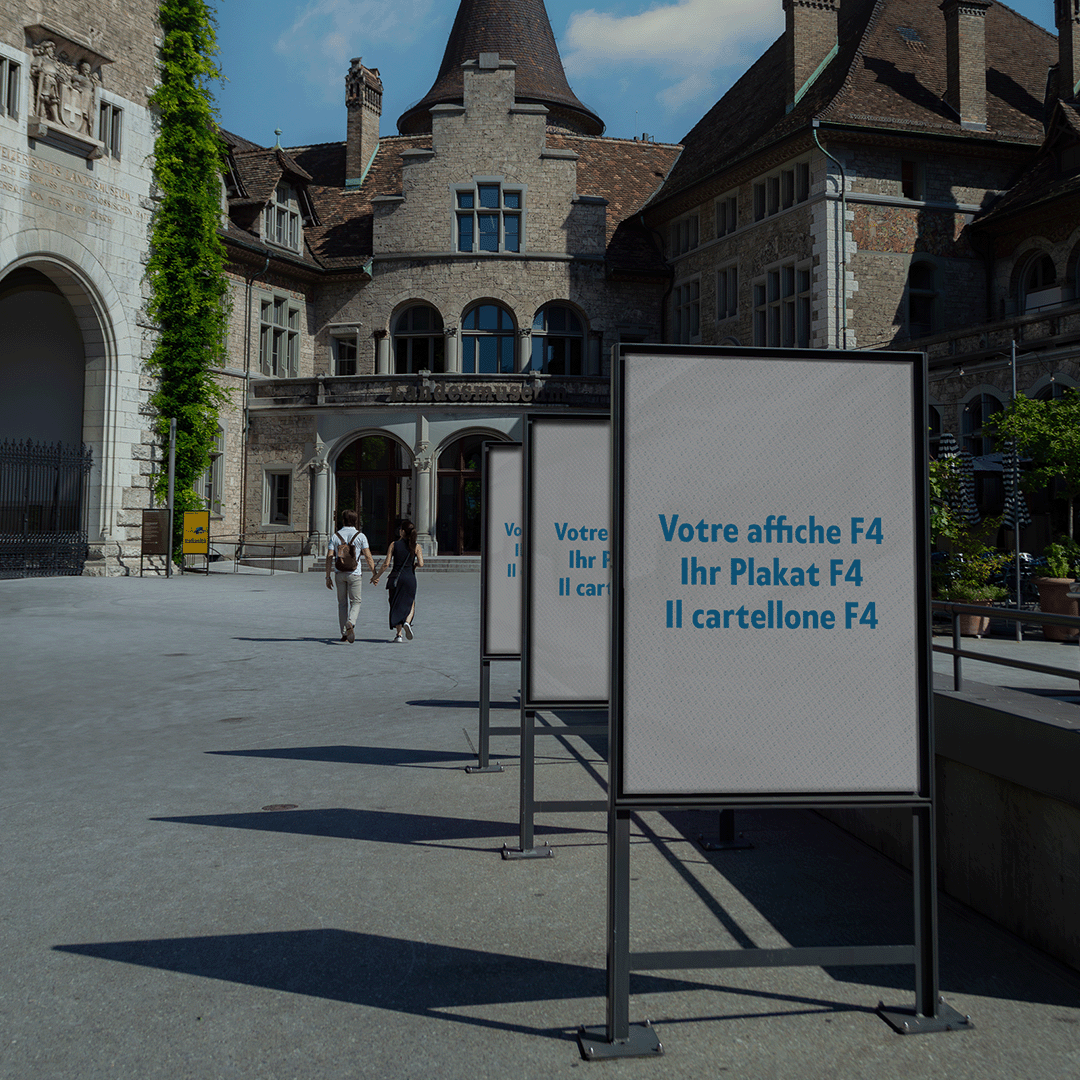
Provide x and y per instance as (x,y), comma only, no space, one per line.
(238,554)
(1011,614)
(42,500)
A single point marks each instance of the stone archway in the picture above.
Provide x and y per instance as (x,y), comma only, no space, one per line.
(43,362)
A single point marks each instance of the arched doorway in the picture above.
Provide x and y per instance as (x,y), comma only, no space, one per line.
(44,466)
(374,478)
(458,523)
(42,363)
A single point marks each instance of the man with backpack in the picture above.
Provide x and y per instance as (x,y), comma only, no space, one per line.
(347,545)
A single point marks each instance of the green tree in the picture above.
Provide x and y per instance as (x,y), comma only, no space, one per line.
(1049,433)
(185,272)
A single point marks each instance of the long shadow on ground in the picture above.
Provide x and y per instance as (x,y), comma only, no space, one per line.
(378,826)
(413,977)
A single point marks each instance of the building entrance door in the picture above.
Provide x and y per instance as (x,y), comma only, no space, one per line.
(458,525)
(374,478)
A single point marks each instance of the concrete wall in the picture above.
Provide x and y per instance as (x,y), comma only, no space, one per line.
(1008,816)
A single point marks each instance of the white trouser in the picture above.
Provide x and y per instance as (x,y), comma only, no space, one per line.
(348,597)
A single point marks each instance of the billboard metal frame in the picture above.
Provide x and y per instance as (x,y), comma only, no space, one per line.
(487,654)
(528,804)
(921,532)
(930,1013)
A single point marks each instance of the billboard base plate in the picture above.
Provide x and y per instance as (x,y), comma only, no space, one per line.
(642,1042)
(483,768)
(905,1022)
(541,851)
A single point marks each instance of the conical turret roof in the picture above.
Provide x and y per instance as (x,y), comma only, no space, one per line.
(520,31)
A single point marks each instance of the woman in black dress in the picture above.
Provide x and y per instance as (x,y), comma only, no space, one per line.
(403,556)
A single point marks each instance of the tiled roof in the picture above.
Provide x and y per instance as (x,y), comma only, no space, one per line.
(625,173)
(880,78)
(1042,181)
(622,172)
(343,238)
(520,31)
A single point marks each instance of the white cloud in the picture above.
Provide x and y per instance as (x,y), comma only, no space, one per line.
(327,34)
(686,41)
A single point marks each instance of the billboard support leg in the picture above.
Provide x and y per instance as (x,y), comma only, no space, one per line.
(725,840)
(483,762)
(618,1038)
(526,813)
(930,1013)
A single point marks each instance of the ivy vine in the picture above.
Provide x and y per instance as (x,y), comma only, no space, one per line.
(185,272)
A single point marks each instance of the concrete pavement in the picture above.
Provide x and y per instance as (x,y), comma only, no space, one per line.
(236,847)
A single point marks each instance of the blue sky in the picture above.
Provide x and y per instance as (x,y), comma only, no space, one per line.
(643,66)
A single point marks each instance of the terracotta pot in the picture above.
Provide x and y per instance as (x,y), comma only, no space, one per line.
(1053,599)
(973,625)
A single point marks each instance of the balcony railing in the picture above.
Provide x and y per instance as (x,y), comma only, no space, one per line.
(526,388)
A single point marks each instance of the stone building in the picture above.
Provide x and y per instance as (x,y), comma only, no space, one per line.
(898,174)
(75,142)
(398,300)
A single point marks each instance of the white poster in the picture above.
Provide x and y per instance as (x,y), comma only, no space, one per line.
(569,556)
(770,636)
(502,549)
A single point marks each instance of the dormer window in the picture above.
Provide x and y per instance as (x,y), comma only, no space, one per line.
(281,219)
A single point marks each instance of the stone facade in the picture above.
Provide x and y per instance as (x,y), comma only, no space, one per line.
(407,238)
(76,139)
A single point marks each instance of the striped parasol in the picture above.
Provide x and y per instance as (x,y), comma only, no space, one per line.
(968,509)
(1016,514)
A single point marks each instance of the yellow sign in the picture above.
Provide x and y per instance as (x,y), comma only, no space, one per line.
(196,532)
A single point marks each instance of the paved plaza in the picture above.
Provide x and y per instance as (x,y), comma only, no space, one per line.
(237,847)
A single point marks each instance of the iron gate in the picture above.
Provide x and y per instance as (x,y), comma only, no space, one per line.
(42,495)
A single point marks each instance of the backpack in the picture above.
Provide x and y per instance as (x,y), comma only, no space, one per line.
(345,555)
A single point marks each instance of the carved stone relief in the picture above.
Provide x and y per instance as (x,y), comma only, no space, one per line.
(65,76)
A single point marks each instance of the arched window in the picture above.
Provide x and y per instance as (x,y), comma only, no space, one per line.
(458,522)
(418,341)
(921,300)
(977,441)
(1051,391)
(487,340)
(558,341)
(374,478)
(1037,285)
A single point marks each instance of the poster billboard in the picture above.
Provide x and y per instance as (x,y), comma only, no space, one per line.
(772,621)
(501,578)
(566,628)
(196,532)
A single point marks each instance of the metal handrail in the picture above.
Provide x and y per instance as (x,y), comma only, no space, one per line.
(954,611)
(239,540)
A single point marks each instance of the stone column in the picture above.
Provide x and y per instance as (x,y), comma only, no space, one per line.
(451,350)
(422,463)
(595,359)
(524,348)
(382,352)
(320,507)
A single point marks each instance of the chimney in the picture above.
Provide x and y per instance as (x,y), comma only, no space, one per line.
(363,99)
(1067,20)
(809,41)
(965,53)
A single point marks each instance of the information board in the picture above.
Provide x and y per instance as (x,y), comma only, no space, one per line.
(772,628)
(567,531)
(155,532)
(501,578)
(196,532)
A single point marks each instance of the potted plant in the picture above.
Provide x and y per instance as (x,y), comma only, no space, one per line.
(967,573)
(1061,561)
